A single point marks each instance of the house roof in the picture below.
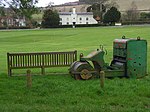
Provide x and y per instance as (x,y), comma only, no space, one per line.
(78,13)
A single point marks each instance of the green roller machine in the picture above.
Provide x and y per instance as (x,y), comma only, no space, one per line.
(129,60)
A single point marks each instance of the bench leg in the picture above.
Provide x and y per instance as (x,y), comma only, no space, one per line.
(43,71)
(9,72)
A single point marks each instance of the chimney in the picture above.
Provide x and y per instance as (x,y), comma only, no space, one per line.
(74,10)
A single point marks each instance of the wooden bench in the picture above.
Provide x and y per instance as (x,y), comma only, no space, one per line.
(40,60)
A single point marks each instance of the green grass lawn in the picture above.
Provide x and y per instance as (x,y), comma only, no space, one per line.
(61,93)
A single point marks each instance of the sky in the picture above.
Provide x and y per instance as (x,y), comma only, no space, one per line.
(43,3)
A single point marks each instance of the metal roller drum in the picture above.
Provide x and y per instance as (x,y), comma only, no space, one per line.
(81,70)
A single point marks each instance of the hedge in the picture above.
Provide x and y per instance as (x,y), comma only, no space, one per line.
(135,22)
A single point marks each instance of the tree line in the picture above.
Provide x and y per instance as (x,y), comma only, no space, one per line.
(104,11)
(26,8)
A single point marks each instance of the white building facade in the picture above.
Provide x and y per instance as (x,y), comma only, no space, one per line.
(70,18)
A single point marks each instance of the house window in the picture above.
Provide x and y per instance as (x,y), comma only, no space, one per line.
(60,19)
(67,23)
(67,19)
(80,19)
(87,22)
(87,18)
(9,21)
(60,23)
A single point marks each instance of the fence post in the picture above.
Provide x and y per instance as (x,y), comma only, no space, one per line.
(29,79)
(102,79)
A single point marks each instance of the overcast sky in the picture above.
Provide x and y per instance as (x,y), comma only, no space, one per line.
(43,3)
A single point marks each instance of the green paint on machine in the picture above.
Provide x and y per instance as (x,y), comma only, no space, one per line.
(137,67)
(134,53)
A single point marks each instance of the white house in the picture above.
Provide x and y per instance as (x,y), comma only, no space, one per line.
(72,18)
(11,21)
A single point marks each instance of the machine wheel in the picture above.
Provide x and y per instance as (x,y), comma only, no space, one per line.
(81,70)
(85,74)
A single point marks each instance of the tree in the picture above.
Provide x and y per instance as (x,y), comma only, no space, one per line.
(112,16)
(23,8)
(2,12)
(97,10)
(145,16)
(50,19)
(132,14)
